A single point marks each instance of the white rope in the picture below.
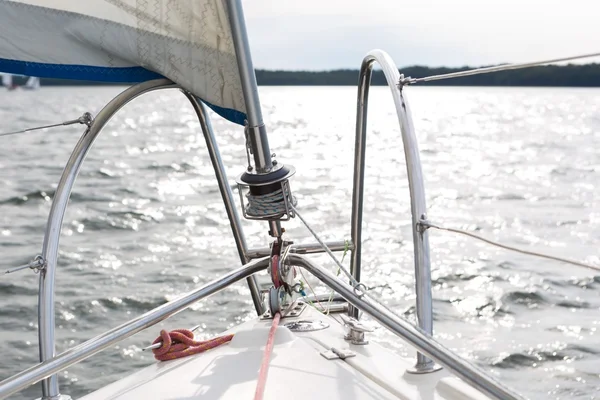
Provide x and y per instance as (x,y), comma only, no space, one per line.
(487,70)
(269,204)
(503,246)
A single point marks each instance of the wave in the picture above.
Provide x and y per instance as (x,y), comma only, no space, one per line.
(462,277)
(7,288)
(529,299)
(534,358)
(516,360)
(122,220)
(43,195)
(535,299)
(182,167)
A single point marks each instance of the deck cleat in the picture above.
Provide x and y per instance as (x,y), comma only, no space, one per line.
(356,330)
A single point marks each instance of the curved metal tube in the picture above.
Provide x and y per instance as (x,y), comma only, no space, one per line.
(87,349)
(227,195)
(46,312)
(46,317)
(415,184)
(405,329)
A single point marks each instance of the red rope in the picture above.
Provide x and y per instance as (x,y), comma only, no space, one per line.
(264,367)
(180,343)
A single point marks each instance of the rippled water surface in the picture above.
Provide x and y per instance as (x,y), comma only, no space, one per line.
(146,223)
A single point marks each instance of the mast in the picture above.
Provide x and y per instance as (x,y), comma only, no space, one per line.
(257,132)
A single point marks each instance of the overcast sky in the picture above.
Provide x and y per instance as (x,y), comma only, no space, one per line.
(329,34)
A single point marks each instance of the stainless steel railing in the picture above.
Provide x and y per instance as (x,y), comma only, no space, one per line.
(227,196)
(417,337)
(415,184)
(401,327)
(87,349)
(304,248)
(46,313)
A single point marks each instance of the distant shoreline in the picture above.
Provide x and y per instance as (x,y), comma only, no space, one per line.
(572,75)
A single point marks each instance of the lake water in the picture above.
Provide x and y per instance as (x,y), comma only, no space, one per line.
(145,222)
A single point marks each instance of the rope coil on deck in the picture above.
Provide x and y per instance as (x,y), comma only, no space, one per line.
(180,343)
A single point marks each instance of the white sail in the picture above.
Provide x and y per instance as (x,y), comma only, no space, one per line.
(7,80)
(187,41)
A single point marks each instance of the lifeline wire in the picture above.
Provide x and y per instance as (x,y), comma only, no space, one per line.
(85,119)
(327,250)
(356,285)
(427,224)
(531,253)
(487,70)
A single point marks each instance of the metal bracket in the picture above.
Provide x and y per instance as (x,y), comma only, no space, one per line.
(335,354)
(423,224)
(427,367)
(293,310)
(248,147)
(86,119)
(405,81)
(37,264)
(59,397)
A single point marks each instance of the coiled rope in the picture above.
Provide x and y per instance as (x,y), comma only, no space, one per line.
(180,343)
(270,203)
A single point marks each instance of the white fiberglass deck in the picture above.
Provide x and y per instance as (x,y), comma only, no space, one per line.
(297,370)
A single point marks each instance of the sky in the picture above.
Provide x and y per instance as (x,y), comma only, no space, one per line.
(332,34)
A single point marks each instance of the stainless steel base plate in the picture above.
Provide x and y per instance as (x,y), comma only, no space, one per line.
(306,325)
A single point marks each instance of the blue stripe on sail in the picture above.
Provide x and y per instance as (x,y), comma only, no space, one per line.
(229,114)
(78,72)
(100,74)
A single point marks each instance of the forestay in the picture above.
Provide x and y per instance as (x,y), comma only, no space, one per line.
(187,41)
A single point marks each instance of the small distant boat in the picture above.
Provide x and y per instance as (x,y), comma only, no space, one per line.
(33,83)
(7,82)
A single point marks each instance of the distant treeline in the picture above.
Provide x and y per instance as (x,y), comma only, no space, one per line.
(587,75)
